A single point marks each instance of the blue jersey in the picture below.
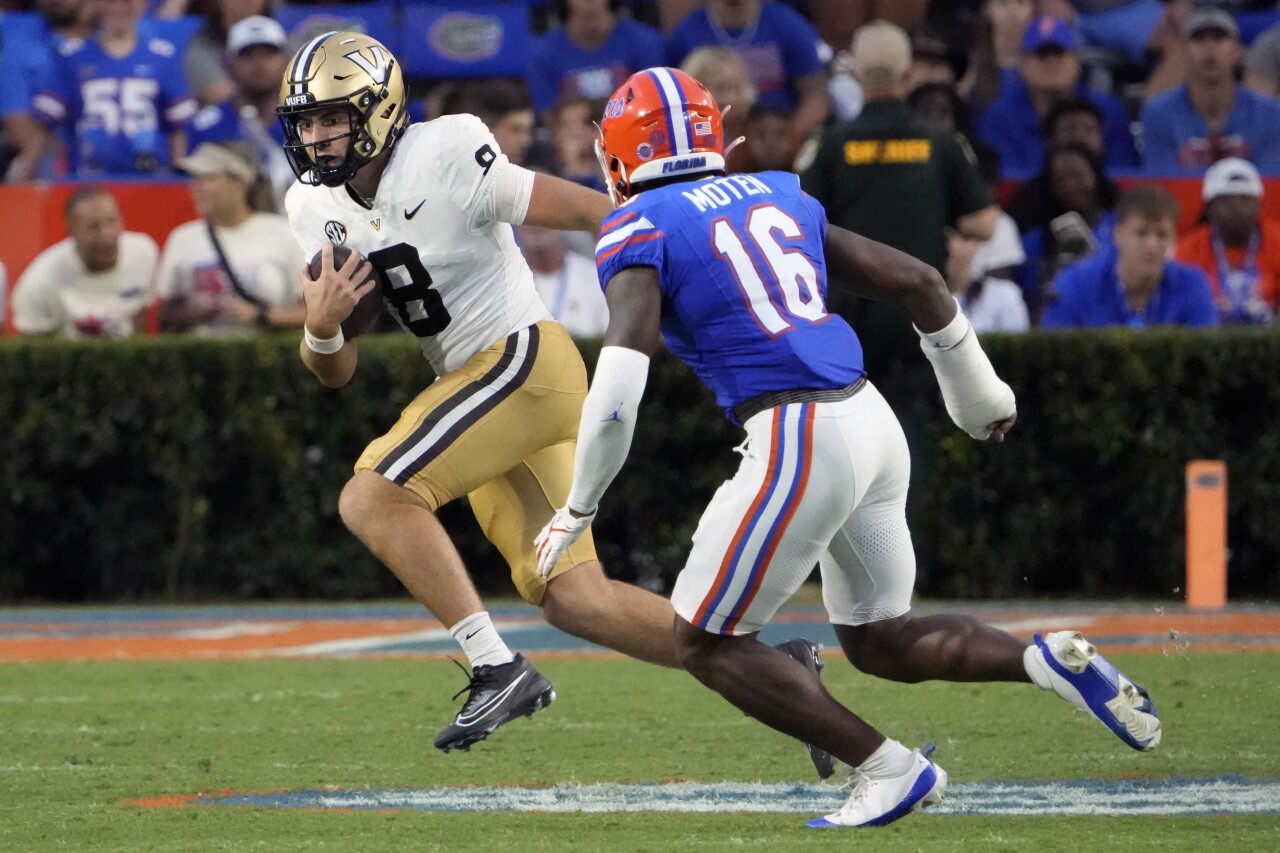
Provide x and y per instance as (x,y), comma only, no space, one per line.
(558,67)
(122,108)
(1176,140)
(1089,294)
(26,71)
(744,282)
(225,122)
(780,47)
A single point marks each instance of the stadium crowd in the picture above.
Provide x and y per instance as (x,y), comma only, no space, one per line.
(1019,146)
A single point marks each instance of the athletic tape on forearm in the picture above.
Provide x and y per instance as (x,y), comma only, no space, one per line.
(608,421)
(974,395)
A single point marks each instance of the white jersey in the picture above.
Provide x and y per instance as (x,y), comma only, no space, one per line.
(58,293)
(459,281)
(574,296)
(261,250)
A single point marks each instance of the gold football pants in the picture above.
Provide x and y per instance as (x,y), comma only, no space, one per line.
(501,429)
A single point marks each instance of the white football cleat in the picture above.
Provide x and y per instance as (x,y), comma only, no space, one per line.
(1068,664)
(876,802)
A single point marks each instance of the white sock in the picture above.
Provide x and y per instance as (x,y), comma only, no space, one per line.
(891,759)
(480,641)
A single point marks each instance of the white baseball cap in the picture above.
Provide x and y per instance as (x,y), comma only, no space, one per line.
(256,29)
(210,158)
(1232,176)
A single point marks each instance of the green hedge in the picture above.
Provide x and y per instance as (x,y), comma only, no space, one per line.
(188,469)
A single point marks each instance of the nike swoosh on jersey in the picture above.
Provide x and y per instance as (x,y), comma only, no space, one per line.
(409,214)
(488,707)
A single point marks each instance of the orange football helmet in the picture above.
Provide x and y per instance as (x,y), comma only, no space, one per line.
(660,123)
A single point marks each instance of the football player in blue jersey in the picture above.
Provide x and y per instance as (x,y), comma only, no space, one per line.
(124,94)
(731,271)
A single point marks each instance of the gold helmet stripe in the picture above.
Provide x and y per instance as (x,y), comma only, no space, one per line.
(297,72)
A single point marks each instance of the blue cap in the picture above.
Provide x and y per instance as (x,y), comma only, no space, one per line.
(1048,31)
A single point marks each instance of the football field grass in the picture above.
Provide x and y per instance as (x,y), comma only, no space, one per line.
(85,742)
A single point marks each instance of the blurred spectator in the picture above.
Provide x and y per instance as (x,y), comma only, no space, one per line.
(782,50)
(257,59)
(123,93)
(1134,283)
(980,277)
(1236,247)
(994,59)
(566,281)
(32,44)
(4,291)
(1125,26)
(592,53)
(838,20)
(1212,116)
(724,73)
(95,282)
(204,60)
(941,106)
(506,109)
(572,123)
(930,61)
(235,268)
(982,274)
(768,144)
(1262,63)
(573,155)
(1048,73)
(1073,120)
(892,177)
(1080,200)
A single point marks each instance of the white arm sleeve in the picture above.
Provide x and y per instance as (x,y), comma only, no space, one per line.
(974,395)
(608,421)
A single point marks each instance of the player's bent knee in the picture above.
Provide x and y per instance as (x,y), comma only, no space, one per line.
(365,498)
(696,651)
(876,647)
(353,504)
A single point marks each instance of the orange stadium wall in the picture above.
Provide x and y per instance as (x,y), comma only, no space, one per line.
(31,214)
(31,218)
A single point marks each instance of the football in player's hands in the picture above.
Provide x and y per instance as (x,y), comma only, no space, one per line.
(368,309)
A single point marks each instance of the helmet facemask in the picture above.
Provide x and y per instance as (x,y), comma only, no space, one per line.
(334,72)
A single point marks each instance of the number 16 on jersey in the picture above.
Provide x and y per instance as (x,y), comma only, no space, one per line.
(798,296)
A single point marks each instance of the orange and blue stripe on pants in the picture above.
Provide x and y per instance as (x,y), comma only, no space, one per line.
(763,526)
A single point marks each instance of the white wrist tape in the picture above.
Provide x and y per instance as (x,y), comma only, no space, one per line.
(324,346)
(975,397)
(608,422)
(949,335)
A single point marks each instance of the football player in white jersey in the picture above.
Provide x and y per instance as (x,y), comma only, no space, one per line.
(431,206)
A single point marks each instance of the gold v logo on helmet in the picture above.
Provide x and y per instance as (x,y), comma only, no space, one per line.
(378,69)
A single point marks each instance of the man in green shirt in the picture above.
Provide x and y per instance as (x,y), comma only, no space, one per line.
(889,176)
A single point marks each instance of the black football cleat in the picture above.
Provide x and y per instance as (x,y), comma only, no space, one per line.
(499,694)
(808,654)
